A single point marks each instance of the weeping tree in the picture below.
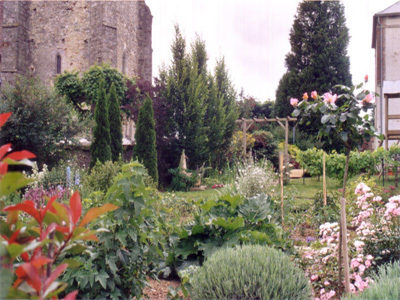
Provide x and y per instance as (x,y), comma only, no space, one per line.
(100,149)
(114,116)
(145,138)
(346,117)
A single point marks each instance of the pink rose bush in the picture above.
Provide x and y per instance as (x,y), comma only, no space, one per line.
(372,221)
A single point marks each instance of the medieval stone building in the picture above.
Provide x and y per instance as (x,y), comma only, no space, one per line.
(45,38)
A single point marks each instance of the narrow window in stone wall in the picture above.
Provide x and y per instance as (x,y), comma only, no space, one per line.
(58,71)
(124,63)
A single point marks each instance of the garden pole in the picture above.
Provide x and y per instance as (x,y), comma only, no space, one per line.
(343,227)
(324,177)
(281,182)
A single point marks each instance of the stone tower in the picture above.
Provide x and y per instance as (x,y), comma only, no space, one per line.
(45,38)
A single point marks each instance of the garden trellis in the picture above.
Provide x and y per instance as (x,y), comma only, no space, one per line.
(283,122)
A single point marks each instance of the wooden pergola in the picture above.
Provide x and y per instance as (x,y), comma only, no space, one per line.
(283,122)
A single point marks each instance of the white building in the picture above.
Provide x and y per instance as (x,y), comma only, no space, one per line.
(386,42)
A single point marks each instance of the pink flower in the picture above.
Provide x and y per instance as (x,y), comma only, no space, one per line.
(361,268)
(294,102)
(314,95)
(332,293)
(326,283)
(362,188)
(368,263)
(305,96)
(329,98)
(314,277)
(359,244)
(354,263)
(369,257)
(368,99)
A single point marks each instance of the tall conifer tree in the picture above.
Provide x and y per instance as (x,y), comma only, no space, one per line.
(145,137)
(318,58)
(114,116)
(100,147)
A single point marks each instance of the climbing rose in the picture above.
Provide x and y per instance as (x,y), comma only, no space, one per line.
(305,96)
(293,102)
(329,98)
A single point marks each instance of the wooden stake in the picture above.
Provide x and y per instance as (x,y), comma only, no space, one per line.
(281,183)
(344,245)
(324,178)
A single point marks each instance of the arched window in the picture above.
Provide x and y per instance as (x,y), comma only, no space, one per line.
(58,59)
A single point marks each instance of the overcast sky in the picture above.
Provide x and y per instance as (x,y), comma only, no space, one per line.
(253,36)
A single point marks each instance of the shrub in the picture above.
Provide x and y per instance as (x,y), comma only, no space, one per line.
(132,246)
(102,176)
(41,121)
(181,181)
(255,178)
(249,272)
(386,285)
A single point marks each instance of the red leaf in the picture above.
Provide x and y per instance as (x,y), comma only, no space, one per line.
(91,237)
(17,282)
(25,256)
(76,207)
(27,206)
(4,117)
(71,296)
(3,168)
(53,276)
(49,204)
(4,149)
(14,236)
(64,229)
(97,211)
(33,277)
(20,155)
(40,261)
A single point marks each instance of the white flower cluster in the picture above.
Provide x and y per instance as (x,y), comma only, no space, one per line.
(254,178)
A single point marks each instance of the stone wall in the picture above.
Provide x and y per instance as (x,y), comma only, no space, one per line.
(81,33)
(15,50)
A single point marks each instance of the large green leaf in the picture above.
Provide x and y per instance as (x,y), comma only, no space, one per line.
(13,181)
(232,223)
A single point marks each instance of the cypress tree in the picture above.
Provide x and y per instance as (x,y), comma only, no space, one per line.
(114,116)
(100,148)
(145,137)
